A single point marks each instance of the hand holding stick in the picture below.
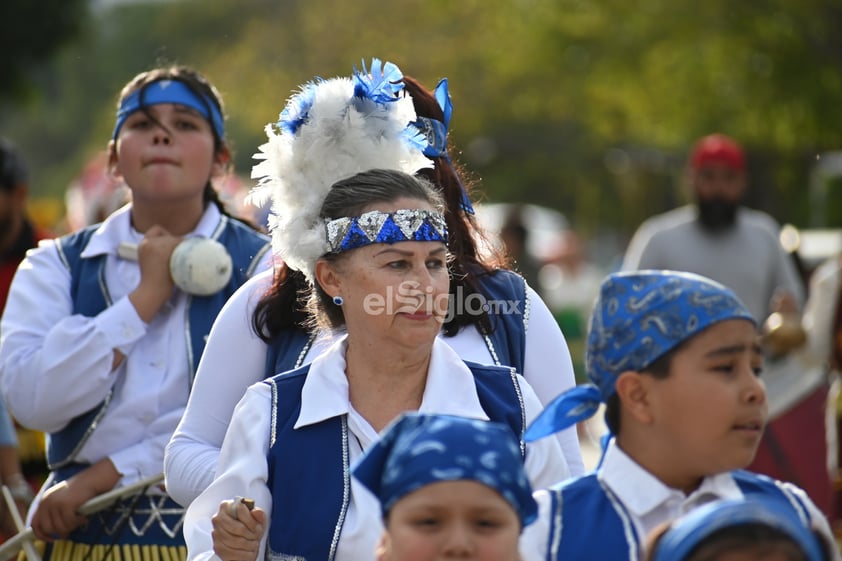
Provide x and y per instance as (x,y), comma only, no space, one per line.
(25,538)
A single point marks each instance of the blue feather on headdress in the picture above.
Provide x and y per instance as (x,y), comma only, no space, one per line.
(416,137)
(297,109)
(382,84)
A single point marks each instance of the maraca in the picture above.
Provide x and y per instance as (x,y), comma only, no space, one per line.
(199,266)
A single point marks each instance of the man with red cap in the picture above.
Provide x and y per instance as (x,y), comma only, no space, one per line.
(717,237)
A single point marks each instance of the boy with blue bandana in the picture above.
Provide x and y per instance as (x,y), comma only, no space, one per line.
(449,487)
(675,359)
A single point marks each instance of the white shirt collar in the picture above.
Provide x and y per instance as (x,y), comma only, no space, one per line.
(641,492)
(450,387)
(117,228)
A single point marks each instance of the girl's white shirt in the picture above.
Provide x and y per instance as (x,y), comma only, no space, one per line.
(56,365)
(235,357)
(242,468)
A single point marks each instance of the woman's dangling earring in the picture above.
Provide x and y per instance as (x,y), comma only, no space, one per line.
(338,300)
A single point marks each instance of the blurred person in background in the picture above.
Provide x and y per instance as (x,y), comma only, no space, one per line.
(570,283)
(514,236)
(17,234)
(93,195)
(716,236)
(823,326)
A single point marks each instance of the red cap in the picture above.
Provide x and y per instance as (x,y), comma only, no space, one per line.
(717,149)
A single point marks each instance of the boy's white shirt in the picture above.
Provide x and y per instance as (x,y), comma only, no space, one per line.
(649,502)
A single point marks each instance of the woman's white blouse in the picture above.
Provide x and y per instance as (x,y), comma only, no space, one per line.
(243,470)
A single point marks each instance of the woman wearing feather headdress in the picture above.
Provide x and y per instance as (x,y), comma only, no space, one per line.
(372,247)
(267,325)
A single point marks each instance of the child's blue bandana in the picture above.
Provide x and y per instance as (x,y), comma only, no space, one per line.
(638,317)
(694,529)
(169,91)
(418,449)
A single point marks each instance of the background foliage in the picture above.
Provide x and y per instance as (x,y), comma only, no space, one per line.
(586,106)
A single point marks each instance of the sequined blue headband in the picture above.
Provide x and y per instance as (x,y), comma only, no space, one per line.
(638,317)
(435,132)
(404,225)
(169,91)
(419,449)
(700,525)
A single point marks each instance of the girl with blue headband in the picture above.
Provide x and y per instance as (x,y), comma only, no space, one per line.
(106,363)
(448,487)
(675,358)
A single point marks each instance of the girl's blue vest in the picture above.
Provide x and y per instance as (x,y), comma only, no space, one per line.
(508,302)
(587,521)
(90,296)
(309,472)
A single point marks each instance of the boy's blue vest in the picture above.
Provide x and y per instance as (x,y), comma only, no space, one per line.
(587,521)
(505,294)
(309,472)
(90,297)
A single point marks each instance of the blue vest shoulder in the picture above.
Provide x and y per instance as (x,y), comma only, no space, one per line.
(575,505)
(757,484)
(287,351)
(508,312)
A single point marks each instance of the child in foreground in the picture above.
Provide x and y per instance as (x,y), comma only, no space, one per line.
(449,487)
(675,358)
(734,530)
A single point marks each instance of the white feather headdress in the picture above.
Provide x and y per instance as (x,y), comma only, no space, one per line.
(331,130)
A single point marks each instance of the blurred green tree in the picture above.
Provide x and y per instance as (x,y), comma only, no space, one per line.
(30,33)
(586,106)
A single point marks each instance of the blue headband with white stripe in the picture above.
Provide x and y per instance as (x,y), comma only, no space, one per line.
(169,91)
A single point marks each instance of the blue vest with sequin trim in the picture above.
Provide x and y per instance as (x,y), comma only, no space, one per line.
(306,524)
(90,297)
(576,505)
(505,292)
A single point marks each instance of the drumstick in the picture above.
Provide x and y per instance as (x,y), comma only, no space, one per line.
(26,536)
(101,502)
(28,546)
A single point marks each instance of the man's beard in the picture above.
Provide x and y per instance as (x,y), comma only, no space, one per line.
(717,214)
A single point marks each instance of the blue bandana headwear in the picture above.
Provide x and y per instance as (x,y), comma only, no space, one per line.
(169,91)
(699,525)
(418,449)
(405,225)
(435,132)
(638,317)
